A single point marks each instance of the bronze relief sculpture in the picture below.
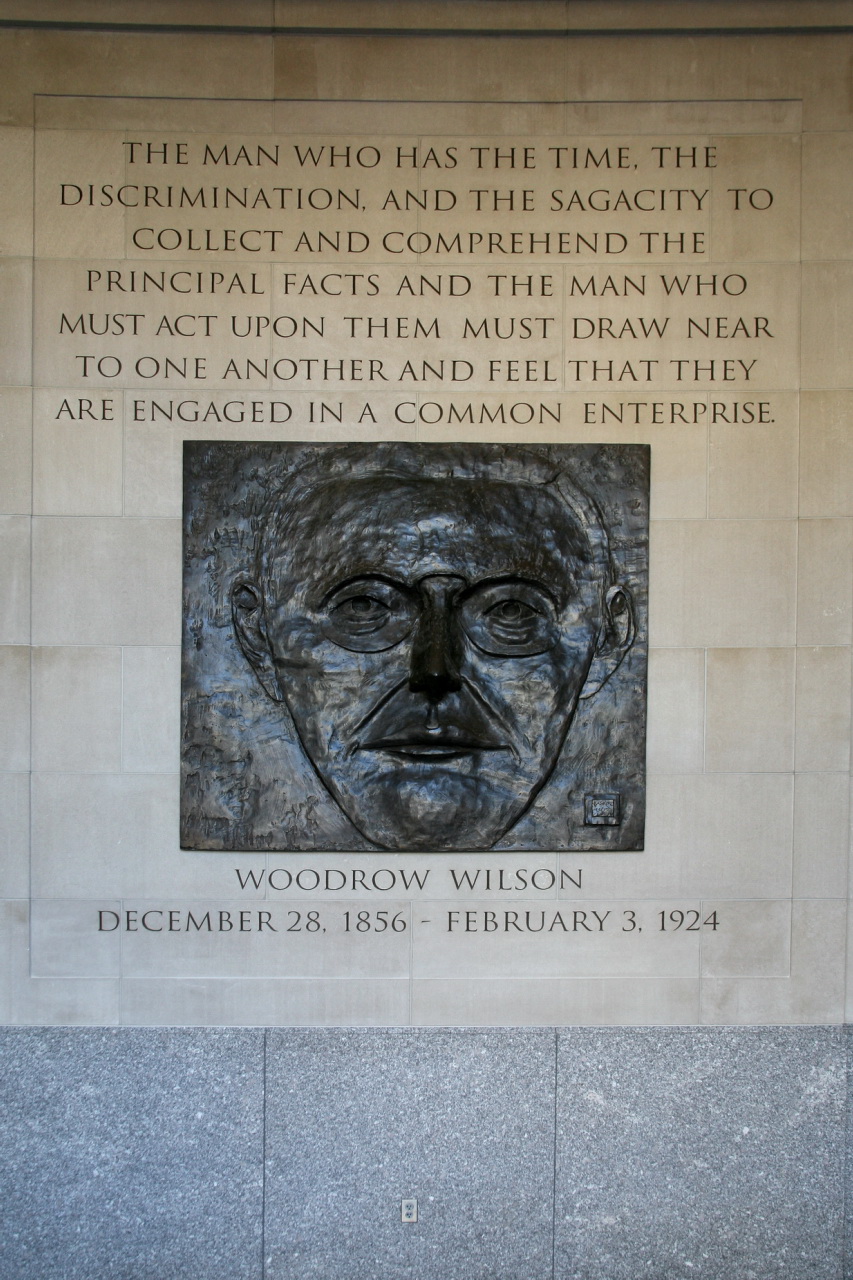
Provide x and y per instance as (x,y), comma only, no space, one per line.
(399,646)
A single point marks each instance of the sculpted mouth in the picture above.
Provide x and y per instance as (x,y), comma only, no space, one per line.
(446,746)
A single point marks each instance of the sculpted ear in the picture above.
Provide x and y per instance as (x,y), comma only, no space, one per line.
(247,615)
(614,639)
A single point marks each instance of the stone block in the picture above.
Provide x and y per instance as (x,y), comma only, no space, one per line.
(16,477)
(823,709)
(77,708)
(15,579)
(722,582)
(741,451)
(106,581)
(131,1153)
(821,834)
(700,1152)
(15,835)
(824,595)
(826,454)
(14,707)
(462,1121)
(536,1002)
(151,700)
(676,727)
(750,712)
(266,1002)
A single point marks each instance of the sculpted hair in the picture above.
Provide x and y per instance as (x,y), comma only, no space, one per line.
(512,465)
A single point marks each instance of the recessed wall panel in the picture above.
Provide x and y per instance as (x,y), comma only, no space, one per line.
(416,782)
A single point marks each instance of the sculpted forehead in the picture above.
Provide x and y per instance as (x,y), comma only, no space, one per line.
(409,528)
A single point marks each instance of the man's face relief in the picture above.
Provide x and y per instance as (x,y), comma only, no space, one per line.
(431,639)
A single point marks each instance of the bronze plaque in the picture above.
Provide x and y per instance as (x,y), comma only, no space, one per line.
(414,647)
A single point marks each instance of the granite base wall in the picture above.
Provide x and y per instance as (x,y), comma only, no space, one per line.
(583,1154)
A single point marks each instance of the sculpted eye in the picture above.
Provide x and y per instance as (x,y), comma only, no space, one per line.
(367,616)
(362,609)
(511,619)
(511,611)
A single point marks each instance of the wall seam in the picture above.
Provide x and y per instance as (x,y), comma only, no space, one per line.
(433,33)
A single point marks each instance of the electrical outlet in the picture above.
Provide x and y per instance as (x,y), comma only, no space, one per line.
(409,1211)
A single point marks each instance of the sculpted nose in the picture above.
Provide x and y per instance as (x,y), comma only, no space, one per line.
(434,670)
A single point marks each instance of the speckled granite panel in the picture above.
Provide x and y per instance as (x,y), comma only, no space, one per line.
(460,1120)
(848,1163)
(130,1153)
(710,1153)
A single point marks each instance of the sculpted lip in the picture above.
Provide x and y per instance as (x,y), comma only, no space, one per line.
(420,746)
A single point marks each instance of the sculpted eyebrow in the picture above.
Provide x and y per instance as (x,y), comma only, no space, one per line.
(508,579)
(356,578)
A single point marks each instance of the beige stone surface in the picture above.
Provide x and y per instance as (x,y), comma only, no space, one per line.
(15,579)
(14,916)
(752,940)
(675,740)
(821,834)
(722,583)
(66,1002)
(826,454)
(463,14)
(79,111)
(150,709)
(679,468)
(536,1002)
(753,468)
(690,115)
(827,167)
(15,835)
(16,445)
(820,65)
(65,941)
(426,68)
(15,302)
(721,13)
(823,709)
(14,708)
(717,835)
(295,114)
(16,218)
(827,315)
(77,709)
(112,63)
(106,581)
(77,465)
(190,12)
(614,69)
(824,588)
(750,711)
(51,1001)
(547,15)
(814,991)
(266,1002)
